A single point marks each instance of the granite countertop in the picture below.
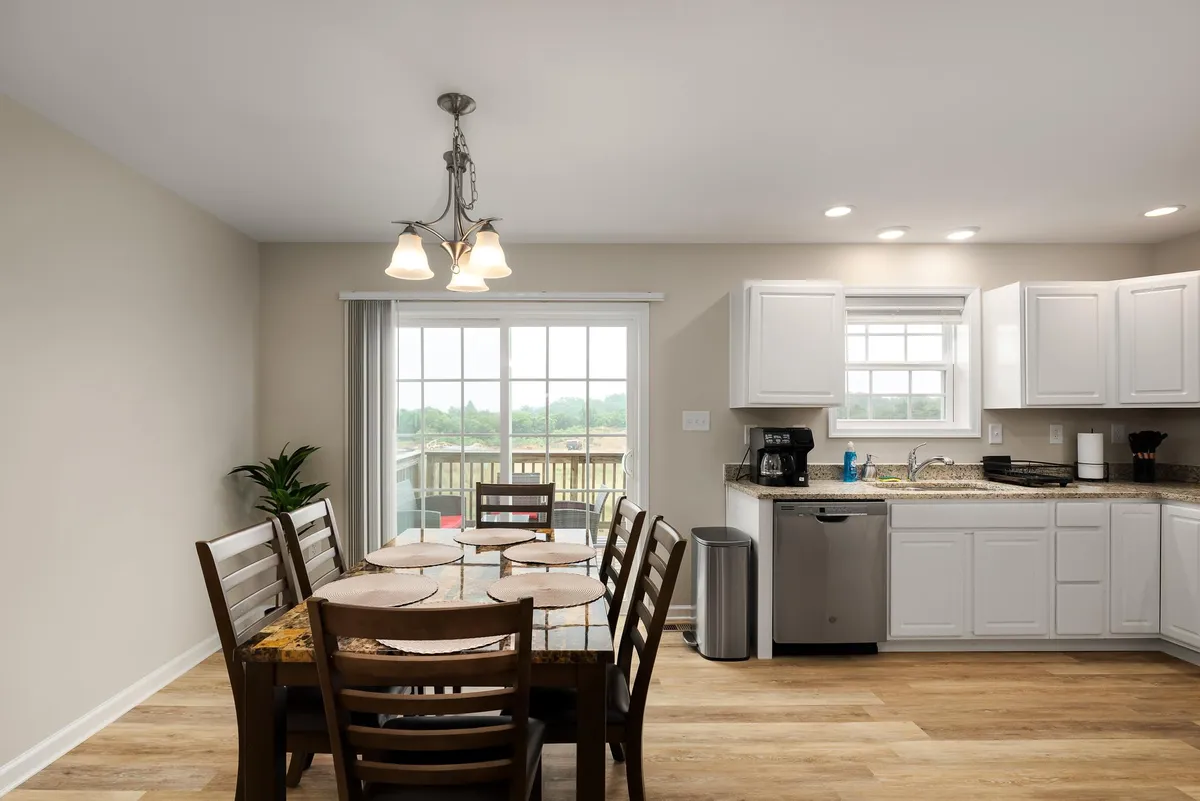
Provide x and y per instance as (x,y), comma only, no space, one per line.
(977,490)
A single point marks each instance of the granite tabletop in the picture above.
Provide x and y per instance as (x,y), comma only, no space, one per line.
(970,490)
(578,634)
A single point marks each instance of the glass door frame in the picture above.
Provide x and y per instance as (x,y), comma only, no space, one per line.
(635,316)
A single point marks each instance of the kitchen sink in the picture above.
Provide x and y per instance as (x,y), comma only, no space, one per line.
(933,486)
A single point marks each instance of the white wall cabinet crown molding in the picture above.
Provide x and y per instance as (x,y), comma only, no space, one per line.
(786,344)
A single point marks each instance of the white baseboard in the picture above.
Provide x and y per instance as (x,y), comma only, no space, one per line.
(681,613)
(983,646)
(39,756)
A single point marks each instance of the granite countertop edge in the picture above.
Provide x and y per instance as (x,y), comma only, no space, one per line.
(988,490)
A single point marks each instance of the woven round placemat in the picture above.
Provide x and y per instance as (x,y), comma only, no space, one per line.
(550,553)
(379,589)
(548,590)
(429,647)
(415,554)
(495,536)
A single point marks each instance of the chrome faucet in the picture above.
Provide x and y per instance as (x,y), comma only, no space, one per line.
(914,469)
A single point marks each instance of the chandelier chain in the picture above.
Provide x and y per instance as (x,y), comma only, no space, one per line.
(460,146)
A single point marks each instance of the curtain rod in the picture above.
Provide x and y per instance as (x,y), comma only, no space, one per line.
(573,297)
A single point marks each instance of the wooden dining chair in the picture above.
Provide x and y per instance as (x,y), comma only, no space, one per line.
(248,588)
(628,688)
(441,746)
(532,505)
(314,546)
(620,549)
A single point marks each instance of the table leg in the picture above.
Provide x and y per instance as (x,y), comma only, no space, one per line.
(265,756)
(590,737)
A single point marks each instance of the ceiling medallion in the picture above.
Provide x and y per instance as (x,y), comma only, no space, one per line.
(471,263)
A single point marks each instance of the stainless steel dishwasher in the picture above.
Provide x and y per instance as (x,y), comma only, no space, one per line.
(830,573)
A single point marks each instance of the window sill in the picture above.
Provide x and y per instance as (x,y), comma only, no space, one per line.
(852,431)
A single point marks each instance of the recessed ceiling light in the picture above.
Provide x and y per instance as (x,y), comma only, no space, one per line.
(962,234)
(838,211)
(1162,211)
(892,232)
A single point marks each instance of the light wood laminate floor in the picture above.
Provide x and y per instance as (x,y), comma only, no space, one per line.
(896,727)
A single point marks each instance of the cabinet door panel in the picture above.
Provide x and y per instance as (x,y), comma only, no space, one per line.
(1079,610)
(1065,345)
(796,346)
(1079,554)
(1181,575)
(1011,582)
(1157,332)
(1134,568)
(928,584)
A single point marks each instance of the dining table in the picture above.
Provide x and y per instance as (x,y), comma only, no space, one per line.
(572,648)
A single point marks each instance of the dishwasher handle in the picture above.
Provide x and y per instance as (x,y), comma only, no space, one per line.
(837,518)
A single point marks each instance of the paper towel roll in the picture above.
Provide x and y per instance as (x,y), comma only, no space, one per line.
(1090,455)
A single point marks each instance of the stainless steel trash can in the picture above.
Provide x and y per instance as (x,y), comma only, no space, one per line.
(721,592)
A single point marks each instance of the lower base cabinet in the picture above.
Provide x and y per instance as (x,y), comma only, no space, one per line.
(1181,574)
(1079,610)
(928,583)
(1011,581)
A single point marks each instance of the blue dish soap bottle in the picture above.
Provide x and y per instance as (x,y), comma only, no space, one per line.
(849,463)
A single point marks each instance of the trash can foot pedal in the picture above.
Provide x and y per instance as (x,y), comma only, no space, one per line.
(689,639)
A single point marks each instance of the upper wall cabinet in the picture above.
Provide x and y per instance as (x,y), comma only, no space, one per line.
(1158,333)
(1046,344)
(787,344)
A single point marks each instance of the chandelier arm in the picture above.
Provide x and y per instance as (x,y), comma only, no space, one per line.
(424,226)
(479,224)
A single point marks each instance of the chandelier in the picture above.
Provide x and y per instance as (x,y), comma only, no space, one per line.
(471,263)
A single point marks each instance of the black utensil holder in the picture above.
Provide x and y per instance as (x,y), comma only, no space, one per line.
(1143,470)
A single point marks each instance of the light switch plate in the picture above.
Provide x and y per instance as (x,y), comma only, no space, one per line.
(1056,434)
(1118,434)
(695,421)
(995,434)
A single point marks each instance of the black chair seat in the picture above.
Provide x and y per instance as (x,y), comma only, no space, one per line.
(557,705)
(536,736)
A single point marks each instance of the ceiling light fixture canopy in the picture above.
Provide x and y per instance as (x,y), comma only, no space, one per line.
(470,262)
(1162,211)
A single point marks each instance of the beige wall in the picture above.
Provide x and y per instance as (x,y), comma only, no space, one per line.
(127,377)
(301,391)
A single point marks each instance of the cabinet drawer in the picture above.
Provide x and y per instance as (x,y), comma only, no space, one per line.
(970,516)
(1079,555)
(1085,514)
(1079,610)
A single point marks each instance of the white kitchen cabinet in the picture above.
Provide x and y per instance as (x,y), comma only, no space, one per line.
(787,344)
(1158,336)
(1046,344)
(1011,583)
(1181,574)
(1133,586)
(928,581)
(1079,610)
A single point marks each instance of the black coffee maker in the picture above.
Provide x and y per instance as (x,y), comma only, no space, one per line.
(779,456)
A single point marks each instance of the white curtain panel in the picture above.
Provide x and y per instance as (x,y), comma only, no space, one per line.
(370,425)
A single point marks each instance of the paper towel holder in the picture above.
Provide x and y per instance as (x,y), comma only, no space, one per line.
(1104,465)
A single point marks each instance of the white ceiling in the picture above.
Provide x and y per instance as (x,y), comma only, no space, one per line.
(640,120)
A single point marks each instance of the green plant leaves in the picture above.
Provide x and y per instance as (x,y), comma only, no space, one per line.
(280,478)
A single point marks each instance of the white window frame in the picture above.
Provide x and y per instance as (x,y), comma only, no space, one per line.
(964,390)
(635,315)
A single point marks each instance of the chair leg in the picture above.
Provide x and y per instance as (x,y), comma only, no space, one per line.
(618,753)
(535,790)
(633,767)
(300,763)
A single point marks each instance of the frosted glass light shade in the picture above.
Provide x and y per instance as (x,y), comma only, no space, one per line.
(463,281)
(409,260)
(487,257)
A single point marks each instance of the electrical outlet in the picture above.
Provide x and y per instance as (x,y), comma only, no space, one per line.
(995,434)
(695,421)
(1056,434)
(1118,434)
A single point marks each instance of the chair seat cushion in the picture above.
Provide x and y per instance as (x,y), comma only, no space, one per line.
(557,705)
(535,737)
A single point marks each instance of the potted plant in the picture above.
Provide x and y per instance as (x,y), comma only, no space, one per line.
(280,479)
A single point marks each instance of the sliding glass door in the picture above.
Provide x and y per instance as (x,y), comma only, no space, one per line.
(510,394)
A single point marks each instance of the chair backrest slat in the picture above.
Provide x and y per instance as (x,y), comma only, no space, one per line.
(239,593)
(402,757)
(620,549)
(532,504)
(310,528)
(658,569)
